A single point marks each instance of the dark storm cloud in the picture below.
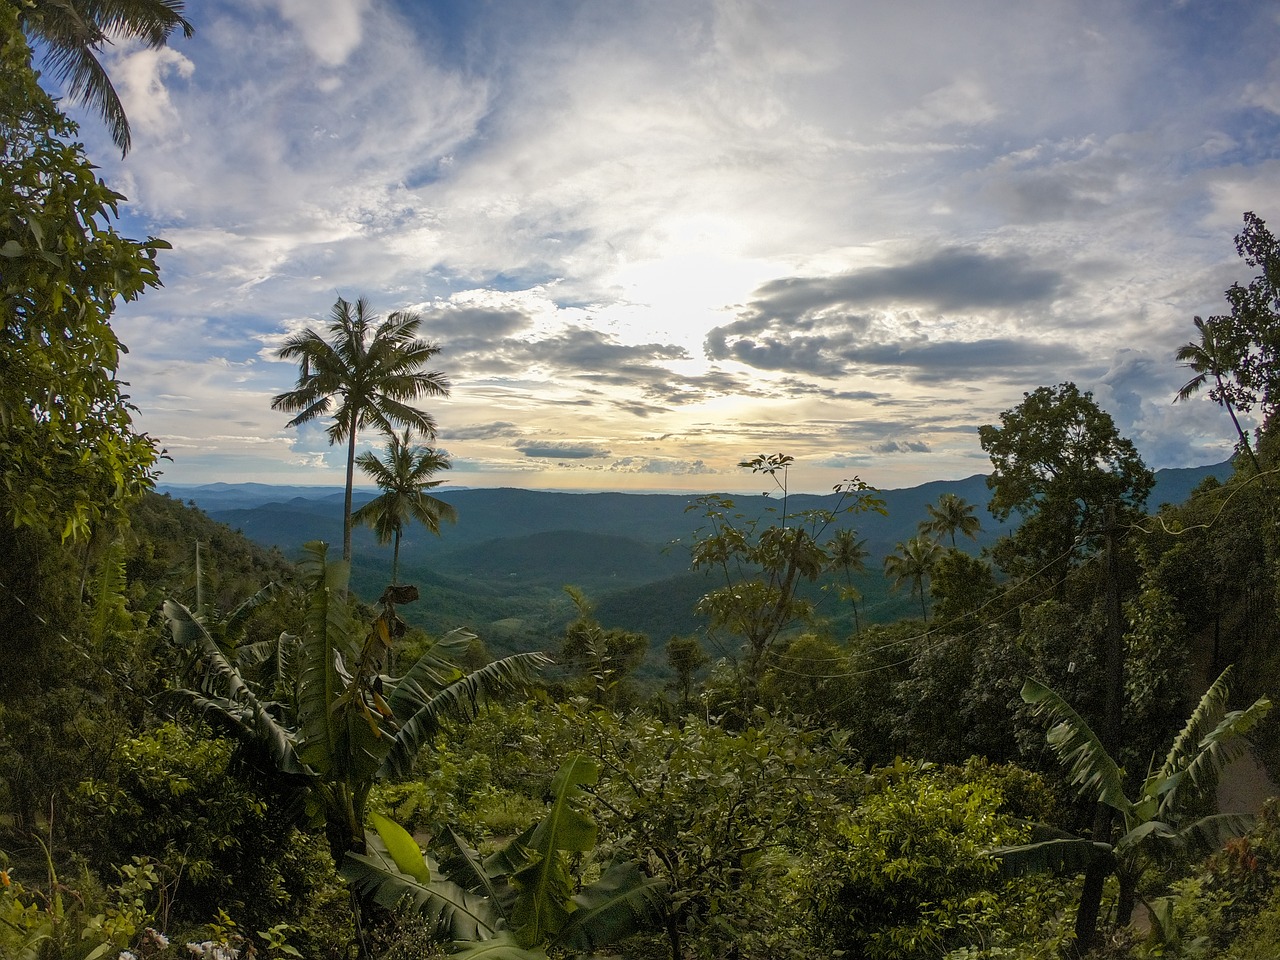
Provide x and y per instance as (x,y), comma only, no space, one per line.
(828,326)
(837,354)
(583,348)
(468,327)
(482,431)
(900,446)
(950,280)
(574,352)
(561,449)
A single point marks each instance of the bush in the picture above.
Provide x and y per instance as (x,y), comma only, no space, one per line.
(218,841)
(906,874)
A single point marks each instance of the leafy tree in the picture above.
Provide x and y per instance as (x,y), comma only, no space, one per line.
(217,838)
(404,479)
(913,563)
(74,32)
(905,875)
(1250,336)
(724,819)
(761,565)
(960,585)
(950,516)
(808,681)
(606,657)
(69,456)
(373,368)
(1166,817)
(350,725)
(686,657)
(848,554)
(1058,461)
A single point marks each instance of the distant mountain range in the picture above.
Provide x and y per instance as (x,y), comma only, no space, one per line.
(502,568)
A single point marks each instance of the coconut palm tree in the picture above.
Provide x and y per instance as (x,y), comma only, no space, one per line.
(1211,357)
(404,478)
(73,33)
(366,372)
(848,553)
(952,514)
(913,563)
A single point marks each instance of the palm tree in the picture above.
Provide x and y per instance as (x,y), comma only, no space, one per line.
(848,553)
(404,478)
(1211,357)
(73,33)
(913,562)
(372,371)
(952,514)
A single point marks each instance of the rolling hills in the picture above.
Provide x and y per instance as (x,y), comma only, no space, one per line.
(502,568)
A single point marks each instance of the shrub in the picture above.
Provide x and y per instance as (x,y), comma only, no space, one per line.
(906,874)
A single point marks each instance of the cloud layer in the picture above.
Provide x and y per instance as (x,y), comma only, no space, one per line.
(653,239)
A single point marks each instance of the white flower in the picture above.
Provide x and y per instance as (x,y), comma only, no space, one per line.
(126,955)
(154,936)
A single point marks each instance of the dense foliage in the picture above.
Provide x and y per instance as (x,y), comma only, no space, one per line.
(208,751)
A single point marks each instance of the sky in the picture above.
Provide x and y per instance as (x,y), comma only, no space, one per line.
(654,239)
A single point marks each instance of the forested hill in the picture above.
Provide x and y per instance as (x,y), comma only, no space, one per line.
(501,568)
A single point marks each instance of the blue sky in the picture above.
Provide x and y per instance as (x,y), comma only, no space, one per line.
(654,239)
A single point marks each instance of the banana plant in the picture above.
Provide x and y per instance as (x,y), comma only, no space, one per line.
(519,902)
(1163,818)
(349,724)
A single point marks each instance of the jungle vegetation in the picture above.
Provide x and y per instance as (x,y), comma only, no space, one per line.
(208,749)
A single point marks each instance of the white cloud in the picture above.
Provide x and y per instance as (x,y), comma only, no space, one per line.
(331,28)
(575,194)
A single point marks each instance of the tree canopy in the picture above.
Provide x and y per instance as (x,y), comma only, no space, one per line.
(68,450)
(1058,461)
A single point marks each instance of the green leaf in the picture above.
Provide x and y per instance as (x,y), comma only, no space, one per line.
(622,902)
(454,912)
(1072,854)
(1079,748)
(402,847)
(543,906)
(501,947)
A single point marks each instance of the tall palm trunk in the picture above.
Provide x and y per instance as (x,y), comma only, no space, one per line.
(351,476)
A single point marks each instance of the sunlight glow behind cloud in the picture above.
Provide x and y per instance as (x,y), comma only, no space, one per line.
(654,239)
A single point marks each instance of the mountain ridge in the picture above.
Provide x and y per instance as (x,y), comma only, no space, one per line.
(502,568)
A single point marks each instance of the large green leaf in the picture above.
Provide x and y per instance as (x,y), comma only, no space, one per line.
(502,947)
(1208,712)
(543,906)
(338,737)
(402,847)
(454,912)
(434,670)
(461,698)
(465,858)
(1071,854)
(238,704)
(1215,750)
(1079,748)
(622,902)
